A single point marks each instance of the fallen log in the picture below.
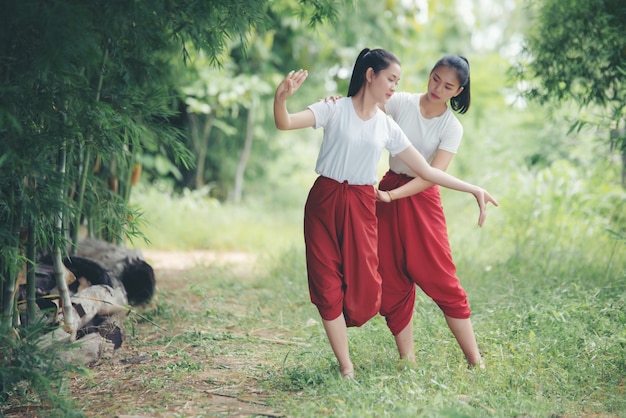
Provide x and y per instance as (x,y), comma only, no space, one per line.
(89,349)
(100,300)
(125,264)
(103,280)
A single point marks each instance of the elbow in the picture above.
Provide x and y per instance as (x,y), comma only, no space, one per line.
(283,124)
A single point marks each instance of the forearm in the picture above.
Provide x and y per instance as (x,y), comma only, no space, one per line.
(282,118)
(416,162)
(414,186)
(448,181)
(281,115)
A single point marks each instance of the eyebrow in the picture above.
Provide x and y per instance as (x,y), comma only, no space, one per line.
(447,84)
(393,75)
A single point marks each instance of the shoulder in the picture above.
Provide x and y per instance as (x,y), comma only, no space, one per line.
(452,121)
(321,104)
(388,122)
(403,97)
(451,127)
(326,109)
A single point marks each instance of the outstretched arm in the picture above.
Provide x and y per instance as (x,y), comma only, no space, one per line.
(420,166)
(441,161)
(283,119)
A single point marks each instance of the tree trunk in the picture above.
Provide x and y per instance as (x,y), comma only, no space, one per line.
(126,265)
(201,144)
(245,156)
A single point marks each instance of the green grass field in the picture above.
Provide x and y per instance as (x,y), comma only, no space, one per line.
(546,279)
(548,292)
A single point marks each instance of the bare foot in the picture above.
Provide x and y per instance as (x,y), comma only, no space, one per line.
(410,358)
(480,364)
(347,374)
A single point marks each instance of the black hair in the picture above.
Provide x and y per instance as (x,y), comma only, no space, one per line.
(459,63)
(377,59)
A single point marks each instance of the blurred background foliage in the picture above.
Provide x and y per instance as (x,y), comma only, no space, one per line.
(150,124)
(176,98)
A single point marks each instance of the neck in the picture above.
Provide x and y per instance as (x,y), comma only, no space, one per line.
(364,106)
(430,109)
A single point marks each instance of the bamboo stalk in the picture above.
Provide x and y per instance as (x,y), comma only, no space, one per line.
(57,261)
(86,162)
(31,293)
(7,264)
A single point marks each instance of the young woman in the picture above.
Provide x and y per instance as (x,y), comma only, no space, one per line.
(340,230)
(412,233)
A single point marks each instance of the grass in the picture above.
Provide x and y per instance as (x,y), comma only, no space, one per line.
(547,285)
(546,281)
(196,221)
(553,348)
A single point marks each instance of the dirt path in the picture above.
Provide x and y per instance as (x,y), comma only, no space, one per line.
(166,261)
(138,380)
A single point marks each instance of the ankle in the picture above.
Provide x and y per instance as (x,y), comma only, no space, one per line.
(410,357)
(476,364)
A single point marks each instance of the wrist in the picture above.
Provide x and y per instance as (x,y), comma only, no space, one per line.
(390,195)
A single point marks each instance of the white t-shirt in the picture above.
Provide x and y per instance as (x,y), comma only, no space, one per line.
(427,135)
(351,147)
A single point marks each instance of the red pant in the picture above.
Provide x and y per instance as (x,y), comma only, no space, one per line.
(413,249)
(340,234)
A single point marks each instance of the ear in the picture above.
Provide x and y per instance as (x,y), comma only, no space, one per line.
(459,91)
(369,74)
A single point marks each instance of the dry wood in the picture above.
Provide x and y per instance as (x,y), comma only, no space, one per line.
(97,300)
(92,347)
(114,258)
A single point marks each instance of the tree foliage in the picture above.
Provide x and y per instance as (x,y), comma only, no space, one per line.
(87,89)
(576,50)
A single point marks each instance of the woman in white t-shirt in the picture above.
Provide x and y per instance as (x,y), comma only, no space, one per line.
(413,237)
(340,230)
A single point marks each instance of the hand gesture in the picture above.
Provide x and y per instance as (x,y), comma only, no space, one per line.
(331,98)
(290,84)
(383,196)
(483,197)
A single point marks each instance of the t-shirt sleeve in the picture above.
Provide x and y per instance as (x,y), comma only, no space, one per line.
(398,141)
(451,136)
(322,112)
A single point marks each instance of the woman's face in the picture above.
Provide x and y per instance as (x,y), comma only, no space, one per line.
(443,84)
(385,81)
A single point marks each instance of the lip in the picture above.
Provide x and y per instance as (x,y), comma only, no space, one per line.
(434,96)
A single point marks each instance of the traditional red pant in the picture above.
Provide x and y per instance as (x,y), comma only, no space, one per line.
(413,248)
(340,234)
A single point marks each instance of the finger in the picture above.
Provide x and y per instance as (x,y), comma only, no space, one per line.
(301,74)
(482,216)
(483,212)
(489,198)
